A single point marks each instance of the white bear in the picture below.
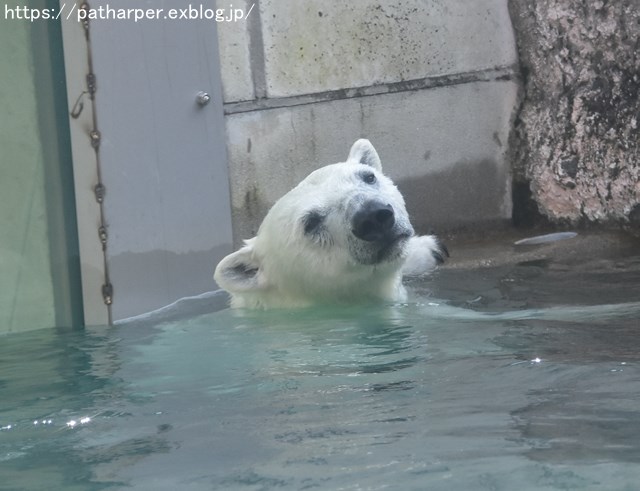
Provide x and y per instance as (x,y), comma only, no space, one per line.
(340,236)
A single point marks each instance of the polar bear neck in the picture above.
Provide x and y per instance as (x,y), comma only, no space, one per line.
(339,284)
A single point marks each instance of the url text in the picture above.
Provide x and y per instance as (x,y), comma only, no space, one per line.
(105,12)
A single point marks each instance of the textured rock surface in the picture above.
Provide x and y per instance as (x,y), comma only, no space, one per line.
(577,136)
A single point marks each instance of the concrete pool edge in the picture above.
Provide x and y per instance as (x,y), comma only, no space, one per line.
(471,251)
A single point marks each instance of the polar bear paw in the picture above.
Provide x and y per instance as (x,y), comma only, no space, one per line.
(424,253)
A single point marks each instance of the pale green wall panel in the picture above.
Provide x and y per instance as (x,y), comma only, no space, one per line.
(33,205)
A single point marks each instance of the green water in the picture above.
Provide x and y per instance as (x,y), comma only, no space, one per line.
(437,395)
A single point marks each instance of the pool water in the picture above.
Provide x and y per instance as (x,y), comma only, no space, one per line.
(439,394)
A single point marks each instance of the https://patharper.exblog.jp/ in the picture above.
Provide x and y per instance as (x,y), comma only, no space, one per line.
(84,12)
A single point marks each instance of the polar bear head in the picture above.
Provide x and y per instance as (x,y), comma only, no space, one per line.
(340,236)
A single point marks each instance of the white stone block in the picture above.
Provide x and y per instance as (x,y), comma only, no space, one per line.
(314,46)
(235,58)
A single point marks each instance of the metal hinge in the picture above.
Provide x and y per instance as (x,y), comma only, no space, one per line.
(85,17)
(99,191)
(107,293)
(102,233)
(91,84)
(95,138)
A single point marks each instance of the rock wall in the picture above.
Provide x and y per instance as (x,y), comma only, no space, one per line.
(576,141)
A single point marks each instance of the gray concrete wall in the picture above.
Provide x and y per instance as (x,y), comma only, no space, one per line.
(432,83)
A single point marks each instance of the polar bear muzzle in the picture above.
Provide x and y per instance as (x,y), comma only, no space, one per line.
(373,221)
(377,234)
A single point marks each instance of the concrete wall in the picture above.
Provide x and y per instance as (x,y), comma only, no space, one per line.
(430,82)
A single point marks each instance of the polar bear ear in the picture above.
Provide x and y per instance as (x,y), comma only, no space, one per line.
(240,271)
(362,152)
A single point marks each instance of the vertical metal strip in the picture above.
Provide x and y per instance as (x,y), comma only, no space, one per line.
(90,192)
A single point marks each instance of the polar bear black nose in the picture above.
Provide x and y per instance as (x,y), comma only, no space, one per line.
(373,220)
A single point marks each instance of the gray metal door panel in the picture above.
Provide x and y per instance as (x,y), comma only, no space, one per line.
(162,157)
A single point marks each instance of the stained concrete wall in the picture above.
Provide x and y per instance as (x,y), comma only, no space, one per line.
(432,83)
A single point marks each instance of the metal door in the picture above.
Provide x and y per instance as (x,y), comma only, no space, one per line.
(154,121)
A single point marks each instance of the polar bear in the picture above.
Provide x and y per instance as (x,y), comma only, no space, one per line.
(340,236)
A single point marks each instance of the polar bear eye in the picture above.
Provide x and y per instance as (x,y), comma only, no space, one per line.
(368,177)
(311,222)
